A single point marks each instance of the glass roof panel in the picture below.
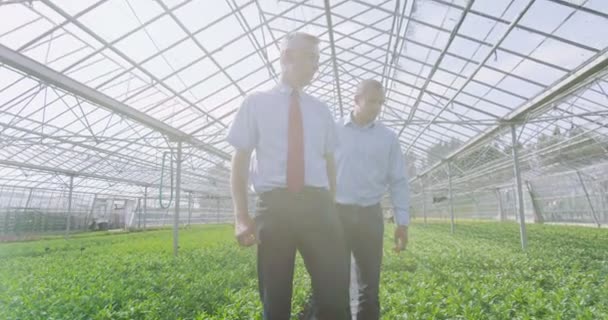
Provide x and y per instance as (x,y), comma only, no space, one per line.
(155,68)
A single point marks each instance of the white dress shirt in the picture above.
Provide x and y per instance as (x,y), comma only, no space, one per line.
(261,125)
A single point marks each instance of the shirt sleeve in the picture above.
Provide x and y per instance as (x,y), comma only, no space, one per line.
(331,137)
(243,132)
(399,184)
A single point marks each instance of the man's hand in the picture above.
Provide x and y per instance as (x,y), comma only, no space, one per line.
(245,230)
(400,238)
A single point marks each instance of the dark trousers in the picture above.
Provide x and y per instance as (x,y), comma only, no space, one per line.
(363,232)
(304,222)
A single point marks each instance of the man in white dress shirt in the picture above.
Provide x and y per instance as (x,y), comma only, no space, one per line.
(369,161)
(294,137)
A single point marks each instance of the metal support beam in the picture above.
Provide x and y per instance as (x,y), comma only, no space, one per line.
(139,211)
(582,75)
(451,197)
(29,198)
(40,136)
(145,205)
(501,209)
(580,179)
(189,207)
(391,55)
(56,79)
(86,221)
(217,208)
(453,34)
(538,215)
(252,38)
(333,55)
(16,164)
(66,172)
(481,64)
(423,200)
(475,204)
(7,2)
(197,42)
(69,213)
(519,189)
(178,181)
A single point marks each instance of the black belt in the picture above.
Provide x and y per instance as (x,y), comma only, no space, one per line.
(305,190)
(358,207)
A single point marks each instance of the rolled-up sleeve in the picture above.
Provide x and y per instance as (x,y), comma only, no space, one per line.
(399,184)
(243,133)
(331,136)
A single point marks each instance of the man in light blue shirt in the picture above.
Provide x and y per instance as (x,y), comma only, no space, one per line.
(369,160)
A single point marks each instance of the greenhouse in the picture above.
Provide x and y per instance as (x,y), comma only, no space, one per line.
(115,169)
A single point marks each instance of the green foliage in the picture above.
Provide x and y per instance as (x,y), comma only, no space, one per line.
(441,149)
(481,156)
(580,146)
(479,272)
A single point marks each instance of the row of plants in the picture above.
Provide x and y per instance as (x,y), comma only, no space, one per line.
(480,272)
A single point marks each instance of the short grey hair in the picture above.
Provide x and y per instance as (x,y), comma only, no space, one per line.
(295,39)
(369,83)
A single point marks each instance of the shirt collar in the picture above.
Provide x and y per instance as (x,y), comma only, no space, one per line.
(350,121)
(283,87)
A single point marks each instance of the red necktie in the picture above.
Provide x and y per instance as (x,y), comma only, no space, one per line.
(295,146)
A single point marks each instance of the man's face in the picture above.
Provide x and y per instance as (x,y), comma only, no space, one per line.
(369,102)
(302,62)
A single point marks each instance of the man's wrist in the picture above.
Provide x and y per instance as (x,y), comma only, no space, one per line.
(242,215)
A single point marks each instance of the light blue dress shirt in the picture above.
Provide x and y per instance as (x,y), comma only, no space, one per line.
(369,160)
(261,125)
